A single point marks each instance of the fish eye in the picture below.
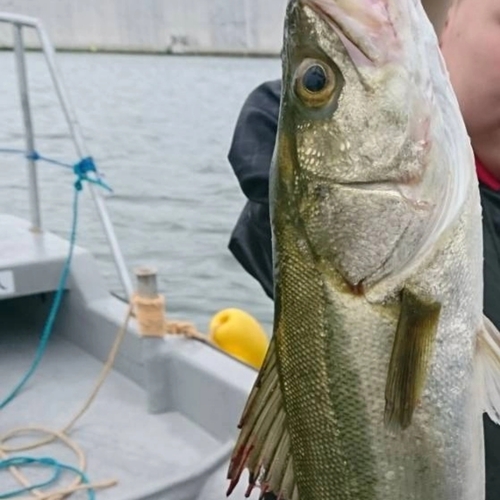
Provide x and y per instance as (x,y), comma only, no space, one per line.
(315,83)
(314,78)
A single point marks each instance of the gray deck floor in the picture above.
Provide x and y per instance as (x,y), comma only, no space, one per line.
(120,439)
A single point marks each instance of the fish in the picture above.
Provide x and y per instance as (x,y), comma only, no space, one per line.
(381,362)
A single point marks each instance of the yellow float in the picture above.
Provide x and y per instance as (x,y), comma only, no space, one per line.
(240,335)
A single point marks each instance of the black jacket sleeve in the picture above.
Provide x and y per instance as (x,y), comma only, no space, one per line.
(490,202)
(250,157)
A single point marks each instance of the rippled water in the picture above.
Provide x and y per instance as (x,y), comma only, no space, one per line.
(159,128)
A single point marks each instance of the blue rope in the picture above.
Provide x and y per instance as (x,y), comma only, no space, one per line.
(25,461)
(49,324)
(81,170)
(35,156)
(50,463)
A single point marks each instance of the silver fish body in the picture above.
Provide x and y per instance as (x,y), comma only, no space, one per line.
(373,387)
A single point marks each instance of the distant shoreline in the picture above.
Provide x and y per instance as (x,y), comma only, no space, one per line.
(166,52)
(213,28)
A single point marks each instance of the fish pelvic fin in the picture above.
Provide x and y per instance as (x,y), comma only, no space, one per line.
(263,446)
(488,366)
(410,359)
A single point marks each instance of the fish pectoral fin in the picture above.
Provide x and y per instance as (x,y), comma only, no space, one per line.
(263,446)
(411,354)
(488,366)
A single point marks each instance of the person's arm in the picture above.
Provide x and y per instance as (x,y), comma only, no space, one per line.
(253,140)
(250,157)
(437,11)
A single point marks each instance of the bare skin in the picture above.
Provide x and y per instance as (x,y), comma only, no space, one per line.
(470,43)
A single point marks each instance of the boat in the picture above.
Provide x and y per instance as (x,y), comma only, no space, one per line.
(97,398)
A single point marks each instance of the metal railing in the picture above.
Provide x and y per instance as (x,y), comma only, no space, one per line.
(18,23)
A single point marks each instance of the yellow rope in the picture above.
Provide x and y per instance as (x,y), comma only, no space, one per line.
(150,315)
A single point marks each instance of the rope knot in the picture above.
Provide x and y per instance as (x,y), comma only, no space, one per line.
(33,156)
(82,169)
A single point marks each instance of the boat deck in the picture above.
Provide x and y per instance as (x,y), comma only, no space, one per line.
(166,446)
(163,424)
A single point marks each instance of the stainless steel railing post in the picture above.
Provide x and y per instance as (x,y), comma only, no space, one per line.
(36,218)
(48,50)
(82,152)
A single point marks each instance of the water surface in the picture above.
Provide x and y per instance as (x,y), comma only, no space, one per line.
(159,128)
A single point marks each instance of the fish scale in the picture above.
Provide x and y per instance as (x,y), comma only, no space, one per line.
(312,378)
(305,384)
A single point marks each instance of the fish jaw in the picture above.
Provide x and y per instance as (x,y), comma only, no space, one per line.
(354,242)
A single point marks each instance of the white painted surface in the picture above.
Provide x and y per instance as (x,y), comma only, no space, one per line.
(220,26)
(7,285)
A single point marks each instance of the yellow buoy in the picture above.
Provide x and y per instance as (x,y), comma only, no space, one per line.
(240,335)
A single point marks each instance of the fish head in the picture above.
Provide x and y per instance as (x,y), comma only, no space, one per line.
(364,159)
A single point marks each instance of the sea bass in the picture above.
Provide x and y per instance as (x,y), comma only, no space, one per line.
(381,363)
